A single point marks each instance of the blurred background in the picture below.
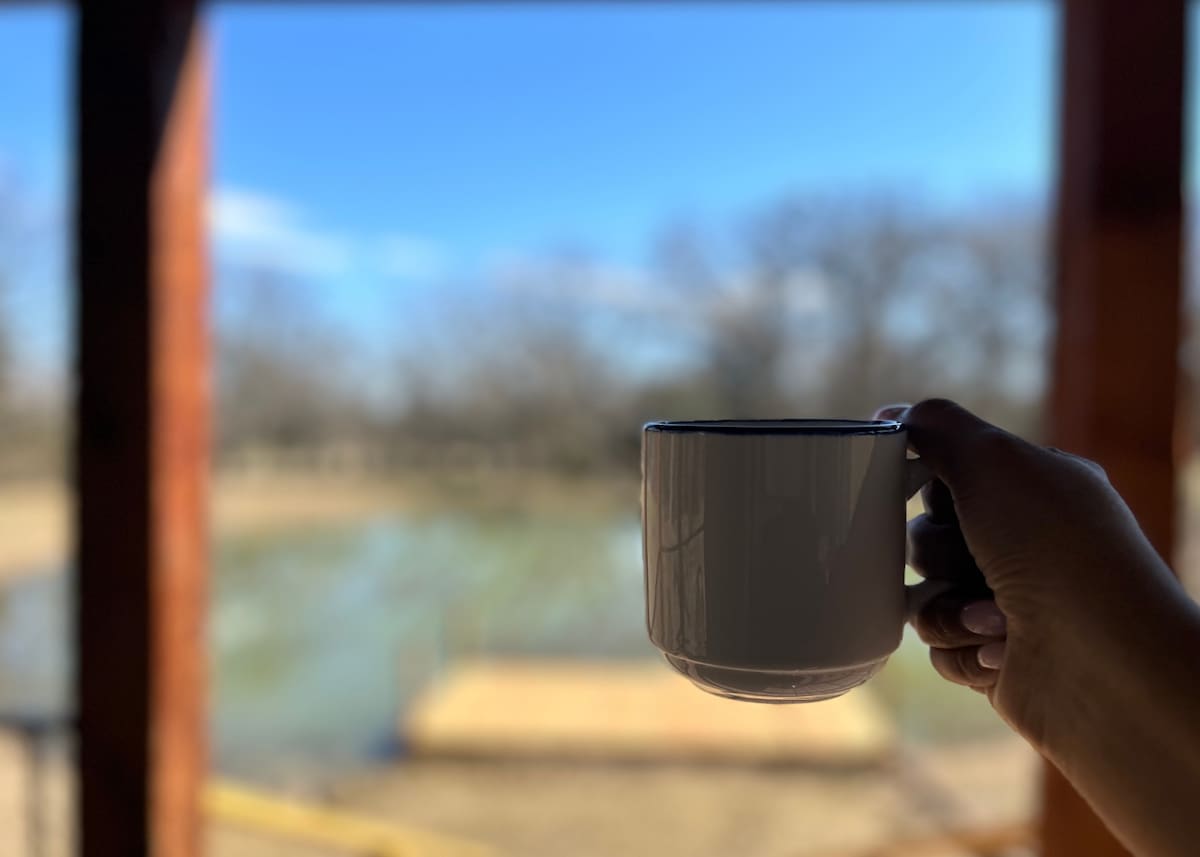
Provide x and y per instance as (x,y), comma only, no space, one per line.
(460,254)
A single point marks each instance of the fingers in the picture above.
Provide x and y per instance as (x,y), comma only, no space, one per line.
(920,594)
(952,610)
(962,666)
(939,504)
(950,620)
(966,637)
(938,550)
(991,655)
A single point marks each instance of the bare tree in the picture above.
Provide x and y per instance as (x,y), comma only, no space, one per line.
(800,319)
(742,312)
(510,366)
(283,372)
(993,309)
(819,305)
(859,252)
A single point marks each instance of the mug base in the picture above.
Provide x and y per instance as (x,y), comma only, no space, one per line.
(777,686)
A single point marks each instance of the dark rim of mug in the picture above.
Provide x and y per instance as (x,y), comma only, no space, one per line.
(791,426)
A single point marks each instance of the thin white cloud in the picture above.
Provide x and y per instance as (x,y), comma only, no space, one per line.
(603,286)
(637,293)
(255,229)
(409,258)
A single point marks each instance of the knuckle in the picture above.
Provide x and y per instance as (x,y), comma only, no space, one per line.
(1096,468)
(960,666)
(1086,466)
(925,632)
(968,662)
(945,663)
(934,625)
(1089,463)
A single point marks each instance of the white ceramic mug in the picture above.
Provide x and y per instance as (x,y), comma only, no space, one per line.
(774,552)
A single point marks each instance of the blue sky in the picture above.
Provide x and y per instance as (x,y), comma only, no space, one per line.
(376,152)
(507,127)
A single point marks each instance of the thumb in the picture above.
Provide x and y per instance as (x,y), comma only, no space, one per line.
(946,436)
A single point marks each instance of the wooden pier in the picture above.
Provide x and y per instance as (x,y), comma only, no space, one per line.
(631,711)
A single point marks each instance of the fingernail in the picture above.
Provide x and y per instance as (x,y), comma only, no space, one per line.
(991,656)
(891,412)
(983,618)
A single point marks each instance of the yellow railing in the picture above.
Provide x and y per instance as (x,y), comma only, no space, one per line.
(357,835)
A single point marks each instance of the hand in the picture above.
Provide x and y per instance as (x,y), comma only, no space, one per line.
(1042,592)
(1034,566)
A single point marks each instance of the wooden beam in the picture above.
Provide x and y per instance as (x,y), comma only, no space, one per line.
(1119,283)
(142,427)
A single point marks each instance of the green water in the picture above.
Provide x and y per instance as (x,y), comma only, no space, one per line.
(320,638)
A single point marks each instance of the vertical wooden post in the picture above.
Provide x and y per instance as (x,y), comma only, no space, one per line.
(1119,282)
(142,427)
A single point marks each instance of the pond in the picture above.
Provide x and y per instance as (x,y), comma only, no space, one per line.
(321,637)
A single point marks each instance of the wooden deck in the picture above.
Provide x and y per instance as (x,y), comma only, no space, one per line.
(637,711)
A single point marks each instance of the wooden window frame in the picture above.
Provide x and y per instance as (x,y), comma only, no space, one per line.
(142,343)
(142,430)
(1118,259)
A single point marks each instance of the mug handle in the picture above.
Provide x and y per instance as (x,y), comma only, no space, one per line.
(916,475)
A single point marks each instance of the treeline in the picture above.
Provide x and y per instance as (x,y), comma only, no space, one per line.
(34,402)
(812,306)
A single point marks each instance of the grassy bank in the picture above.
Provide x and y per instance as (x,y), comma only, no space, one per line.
(35,516)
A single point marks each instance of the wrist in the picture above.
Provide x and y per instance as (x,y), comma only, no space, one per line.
(1117,662)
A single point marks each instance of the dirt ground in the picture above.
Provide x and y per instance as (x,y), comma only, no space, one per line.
(597,810)
(545,809)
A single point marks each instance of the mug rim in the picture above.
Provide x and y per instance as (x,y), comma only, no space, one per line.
(840,428)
